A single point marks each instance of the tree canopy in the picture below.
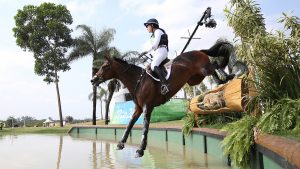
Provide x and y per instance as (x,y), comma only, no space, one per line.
(44,31)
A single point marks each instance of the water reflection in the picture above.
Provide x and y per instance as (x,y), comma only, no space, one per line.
(94,155)
(59,151)
(165,156)
(79,151)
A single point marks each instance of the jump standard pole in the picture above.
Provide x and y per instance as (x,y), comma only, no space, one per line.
(211,23)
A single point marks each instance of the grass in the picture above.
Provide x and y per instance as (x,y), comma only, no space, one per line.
(294,134)
(175,123)
(98,122)
(66,128)
(36,130)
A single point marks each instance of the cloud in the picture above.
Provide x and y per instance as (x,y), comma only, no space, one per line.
(177,17)
(84,10)
(135,32)
(14,61)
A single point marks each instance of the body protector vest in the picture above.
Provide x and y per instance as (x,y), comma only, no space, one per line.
(163,39)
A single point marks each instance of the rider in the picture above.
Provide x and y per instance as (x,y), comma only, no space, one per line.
(159,40)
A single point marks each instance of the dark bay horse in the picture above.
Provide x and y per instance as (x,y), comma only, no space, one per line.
(190,67)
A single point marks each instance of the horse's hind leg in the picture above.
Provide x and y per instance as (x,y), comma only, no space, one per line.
(134,118)
(147,114)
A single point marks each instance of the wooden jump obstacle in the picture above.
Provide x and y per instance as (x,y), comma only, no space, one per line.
(235,94)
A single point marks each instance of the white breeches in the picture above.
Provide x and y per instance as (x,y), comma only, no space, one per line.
(159,55)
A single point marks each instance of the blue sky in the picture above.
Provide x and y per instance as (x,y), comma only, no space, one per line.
(24,93)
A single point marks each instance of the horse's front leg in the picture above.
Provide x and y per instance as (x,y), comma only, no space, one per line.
(147,114)
(137,113)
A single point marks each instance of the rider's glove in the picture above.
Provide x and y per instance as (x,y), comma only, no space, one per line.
(142,54)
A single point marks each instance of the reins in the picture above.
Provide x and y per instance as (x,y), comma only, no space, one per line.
(138,84)
(133,95)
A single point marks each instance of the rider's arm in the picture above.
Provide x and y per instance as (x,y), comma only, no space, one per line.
(157,36)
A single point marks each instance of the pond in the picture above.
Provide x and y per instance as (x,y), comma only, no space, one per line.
(37,151)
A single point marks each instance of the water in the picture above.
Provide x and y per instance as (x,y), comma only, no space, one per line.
(37,151)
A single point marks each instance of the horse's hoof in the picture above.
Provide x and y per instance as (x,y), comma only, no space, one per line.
(139,153)
(120,146)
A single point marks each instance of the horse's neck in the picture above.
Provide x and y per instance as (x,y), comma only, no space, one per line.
(131,77)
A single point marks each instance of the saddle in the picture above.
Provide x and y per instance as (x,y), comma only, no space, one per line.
(165,66)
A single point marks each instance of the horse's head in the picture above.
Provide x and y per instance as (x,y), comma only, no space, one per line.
(105,72)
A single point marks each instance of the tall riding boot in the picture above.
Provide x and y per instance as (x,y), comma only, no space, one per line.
(164,87)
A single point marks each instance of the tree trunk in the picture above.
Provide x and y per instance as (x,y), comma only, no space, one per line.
(184,94)
(101,109)
(58,101)
(94,71)
(107,106)
(94,104)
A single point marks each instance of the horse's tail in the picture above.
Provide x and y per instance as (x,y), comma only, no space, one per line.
(222,48)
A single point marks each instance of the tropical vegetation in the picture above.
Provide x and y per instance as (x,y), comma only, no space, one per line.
(274,63)
(102,96)
(274,60)
(94,45)
(44,31)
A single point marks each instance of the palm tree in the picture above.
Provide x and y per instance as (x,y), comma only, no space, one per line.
(113,85)
(91,44)
(102,93)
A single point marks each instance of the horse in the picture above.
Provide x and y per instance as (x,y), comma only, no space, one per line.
(189,67)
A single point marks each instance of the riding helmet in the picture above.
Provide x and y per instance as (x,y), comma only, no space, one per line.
(151,21)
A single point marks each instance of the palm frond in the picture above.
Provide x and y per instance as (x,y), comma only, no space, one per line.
(101,93)
(105,38)
(80,50)
(88,35)
(189,123)
(132,57)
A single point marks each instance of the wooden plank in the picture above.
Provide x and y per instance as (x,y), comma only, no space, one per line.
(232,96)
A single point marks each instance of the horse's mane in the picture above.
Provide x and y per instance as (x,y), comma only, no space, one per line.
(120,60)
(123,62)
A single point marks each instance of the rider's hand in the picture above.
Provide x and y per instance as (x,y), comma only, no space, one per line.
(142,54)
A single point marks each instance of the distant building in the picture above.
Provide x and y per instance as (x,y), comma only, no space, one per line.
(48,123)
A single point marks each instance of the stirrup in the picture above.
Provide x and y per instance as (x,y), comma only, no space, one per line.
(164,89)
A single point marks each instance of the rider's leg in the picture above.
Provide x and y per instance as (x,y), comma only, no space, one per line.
(164,87)
(159,56)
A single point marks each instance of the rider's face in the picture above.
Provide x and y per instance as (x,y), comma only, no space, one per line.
(149,28)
